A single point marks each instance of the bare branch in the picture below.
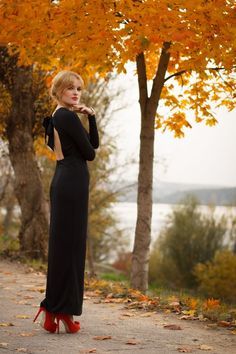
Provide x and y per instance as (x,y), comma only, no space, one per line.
(142,79)
(184,71)
(158,81)
(175,74)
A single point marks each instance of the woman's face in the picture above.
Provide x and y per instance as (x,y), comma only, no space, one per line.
(71,95)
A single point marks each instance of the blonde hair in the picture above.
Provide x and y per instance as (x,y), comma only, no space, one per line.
(62,81)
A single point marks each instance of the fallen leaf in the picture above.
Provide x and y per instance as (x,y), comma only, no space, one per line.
(85,351)
(3,345)
(184,350)
(212,325)
(234,331)
(205,347)
(38,289)
(21,350)
(101,337)
(187,317)
(174,303)
(189,312)
(224,324)
(132,342)
(113,300)
(22,316)
(172,326)
(147,314)
(128,314)
(22,302)
(90,293)
(26,334)
(6,324)
(27,285)
(41,290)
(28,297)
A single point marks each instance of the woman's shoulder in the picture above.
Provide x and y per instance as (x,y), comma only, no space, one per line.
(62,111)
(64,116)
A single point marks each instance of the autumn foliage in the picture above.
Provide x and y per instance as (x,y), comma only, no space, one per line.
(201,36)
(217,276)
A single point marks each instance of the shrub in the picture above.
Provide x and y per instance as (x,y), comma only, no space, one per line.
(189,237)
(123,262)
(218,277)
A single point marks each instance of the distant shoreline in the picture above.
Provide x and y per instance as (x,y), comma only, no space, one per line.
(174,193)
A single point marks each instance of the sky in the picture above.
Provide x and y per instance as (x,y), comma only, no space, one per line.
(206,155)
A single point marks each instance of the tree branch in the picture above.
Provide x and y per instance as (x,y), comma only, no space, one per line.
(158,81)
(142,80)
(184,71)
(175,74)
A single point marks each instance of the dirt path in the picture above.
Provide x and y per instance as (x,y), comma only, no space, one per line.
(126,331)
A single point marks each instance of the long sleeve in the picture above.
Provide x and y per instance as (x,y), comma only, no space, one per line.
(93,131)
(72,125)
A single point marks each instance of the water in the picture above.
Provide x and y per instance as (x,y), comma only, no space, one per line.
(127,213)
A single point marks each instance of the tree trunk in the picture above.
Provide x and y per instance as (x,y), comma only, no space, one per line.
(148,107)
(27,182)
(140,258)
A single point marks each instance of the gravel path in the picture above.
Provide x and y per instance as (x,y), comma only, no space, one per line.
(105,327)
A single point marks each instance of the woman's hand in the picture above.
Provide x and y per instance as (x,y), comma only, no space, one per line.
(81,108)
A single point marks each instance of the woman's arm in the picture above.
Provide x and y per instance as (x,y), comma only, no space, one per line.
(93,131)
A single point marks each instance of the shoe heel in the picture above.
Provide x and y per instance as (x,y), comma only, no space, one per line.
(69,324)
(47,321)
(66,326)
(38,313)
(58,326)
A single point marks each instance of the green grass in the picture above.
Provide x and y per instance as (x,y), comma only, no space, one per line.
(113,277)
(8,246)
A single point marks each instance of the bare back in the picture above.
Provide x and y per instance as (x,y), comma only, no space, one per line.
(57,146)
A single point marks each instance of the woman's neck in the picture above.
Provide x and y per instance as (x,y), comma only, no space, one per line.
(59,105)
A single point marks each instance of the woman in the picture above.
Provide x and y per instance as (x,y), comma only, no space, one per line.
(69,191)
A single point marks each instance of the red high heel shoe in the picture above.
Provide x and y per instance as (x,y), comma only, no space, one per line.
(47,322)
(70,325)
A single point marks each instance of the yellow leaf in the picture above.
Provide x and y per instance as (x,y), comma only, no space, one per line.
(205,347)
(102,337)
(22,316)
(3,345)
(26,334)
(6,324)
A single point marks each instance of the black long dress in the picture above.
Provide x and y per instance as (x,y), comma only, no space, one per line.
(69,191)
